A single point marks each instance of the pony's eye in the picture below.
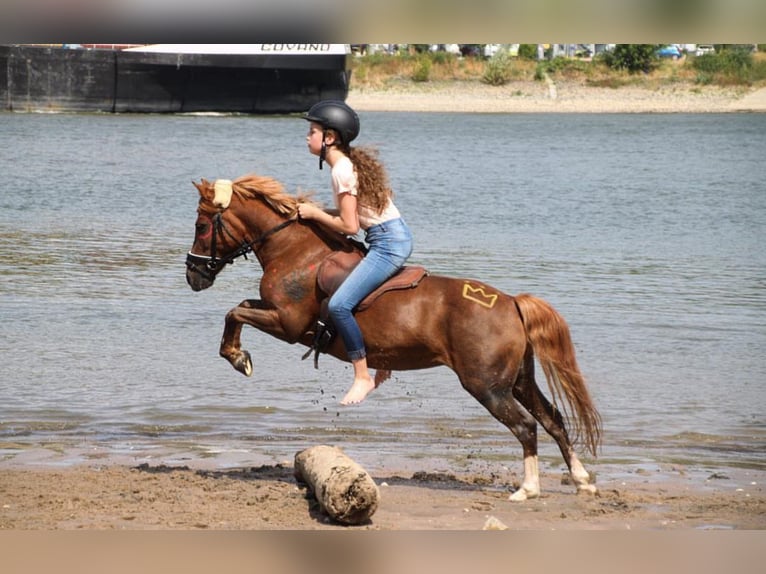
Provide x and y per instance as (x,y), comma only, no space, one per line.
(201,228)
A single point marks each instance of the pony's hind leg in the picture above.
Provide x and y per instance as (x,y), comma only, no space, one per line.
(529,395)
(501,404)
(530,488)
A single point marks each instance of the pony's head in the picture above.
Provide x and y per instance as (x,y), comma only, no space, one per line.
(205,258)
(224,231)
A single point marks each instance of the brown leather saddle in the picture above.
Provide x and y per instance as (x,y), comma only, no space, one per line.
(334,270)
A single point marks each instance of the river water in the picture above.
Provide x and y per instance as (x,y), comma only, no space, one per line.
(646,232)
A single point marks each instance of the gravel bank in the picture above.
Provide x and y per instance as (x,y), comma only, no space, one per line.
(561,97)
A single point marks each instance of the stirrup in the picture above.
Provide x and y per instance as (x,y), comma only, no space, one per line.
(323,335)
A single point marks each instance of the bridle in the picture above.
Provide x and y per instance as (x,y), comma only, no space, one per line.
(212,262)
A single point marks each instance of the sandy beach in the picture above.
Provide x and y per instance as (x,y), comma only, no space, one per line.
(559,97)
(181,497)
(158,518)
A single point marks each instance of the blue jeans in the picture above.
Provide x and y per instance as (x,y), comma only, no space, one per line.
(390,244)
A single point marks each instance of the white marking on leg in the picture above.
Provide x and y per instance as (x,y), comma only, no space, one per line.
(580,476)
(530,488)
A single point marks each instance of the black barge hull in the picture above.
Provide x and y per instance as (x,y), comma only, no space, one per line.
(39,79)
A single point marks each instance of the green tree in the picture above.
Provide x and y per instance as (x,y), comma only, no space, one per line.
(632,57)
(528,51)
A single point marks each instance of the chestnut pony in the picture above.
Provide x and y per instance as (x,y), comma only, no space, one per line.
(488,338)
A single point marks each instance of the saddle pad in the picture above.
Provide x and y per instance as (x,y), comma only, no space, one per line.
(334,270)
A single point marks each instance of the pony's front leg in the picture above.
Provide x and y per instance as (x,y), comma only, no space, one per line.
(250,312)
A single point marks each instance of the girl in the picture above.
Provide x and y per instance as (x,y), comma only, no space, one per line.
(363,200)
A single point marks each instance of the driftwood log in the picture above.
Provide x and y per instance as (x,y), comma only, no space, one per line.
(342,487)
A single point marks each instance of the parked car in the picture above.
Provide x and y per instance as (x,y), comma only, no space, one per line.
(584,50)
(703,49)
(491,49)
(449,48)
(601,48)
(670,51)
(380,49)
(470,50)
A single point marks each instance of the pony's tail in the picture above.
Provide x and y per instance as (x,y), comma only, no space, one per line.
(548,334)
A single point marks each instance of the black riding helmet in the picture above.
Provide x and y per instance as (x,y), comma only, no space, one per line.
(335,115)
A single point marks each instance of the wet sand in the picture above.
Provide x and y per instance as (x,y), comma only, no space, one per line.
(180,497)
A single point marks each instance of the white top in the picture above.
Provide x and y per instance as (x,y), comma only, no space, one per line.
(344,181)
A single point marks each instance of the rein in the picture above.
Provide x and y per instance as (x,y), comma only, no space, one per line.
(213,263)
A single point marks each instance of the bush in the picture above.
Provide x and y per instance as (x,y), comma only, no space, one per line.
(729,66)
(423,71)
(758,74)
(528,51)
(567,66)
(441,57)
(497,71)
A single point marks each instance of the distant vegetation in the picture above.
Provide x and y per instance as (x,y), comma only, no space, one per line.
(626,64)
(730,66)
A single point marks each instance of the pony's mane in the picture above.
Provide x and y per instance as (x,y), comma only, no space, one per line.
(270,190)
(218,193)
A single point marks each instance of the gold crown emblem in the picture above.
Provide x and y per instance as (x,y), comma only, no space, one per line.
(478,295)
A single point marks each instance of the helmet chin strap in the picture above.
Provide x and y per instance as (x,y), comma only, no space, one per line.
(322,153)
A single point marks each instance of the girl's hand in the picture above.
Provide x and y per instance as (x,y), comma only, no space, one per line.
(306,210)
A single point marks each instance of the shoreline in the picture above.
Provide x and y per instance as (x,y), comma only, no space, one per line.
(560,97)
(113,494)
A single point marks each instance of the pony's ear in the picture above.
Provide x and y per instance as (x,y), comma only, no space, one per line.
(205,189)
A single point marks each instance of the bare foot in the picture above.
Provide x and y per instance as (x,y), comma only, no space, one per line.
(381,376)
(358,391)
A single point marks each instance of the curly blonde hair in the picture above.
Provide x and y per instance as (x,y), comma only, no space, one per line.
(372,179)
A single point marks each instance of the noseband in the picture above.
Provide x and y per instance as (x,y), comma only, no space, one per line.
(213,263)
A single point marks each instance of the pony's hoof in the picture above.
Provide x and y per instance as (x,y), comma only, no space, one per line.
(244,364)
(523,494)
(587,489)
